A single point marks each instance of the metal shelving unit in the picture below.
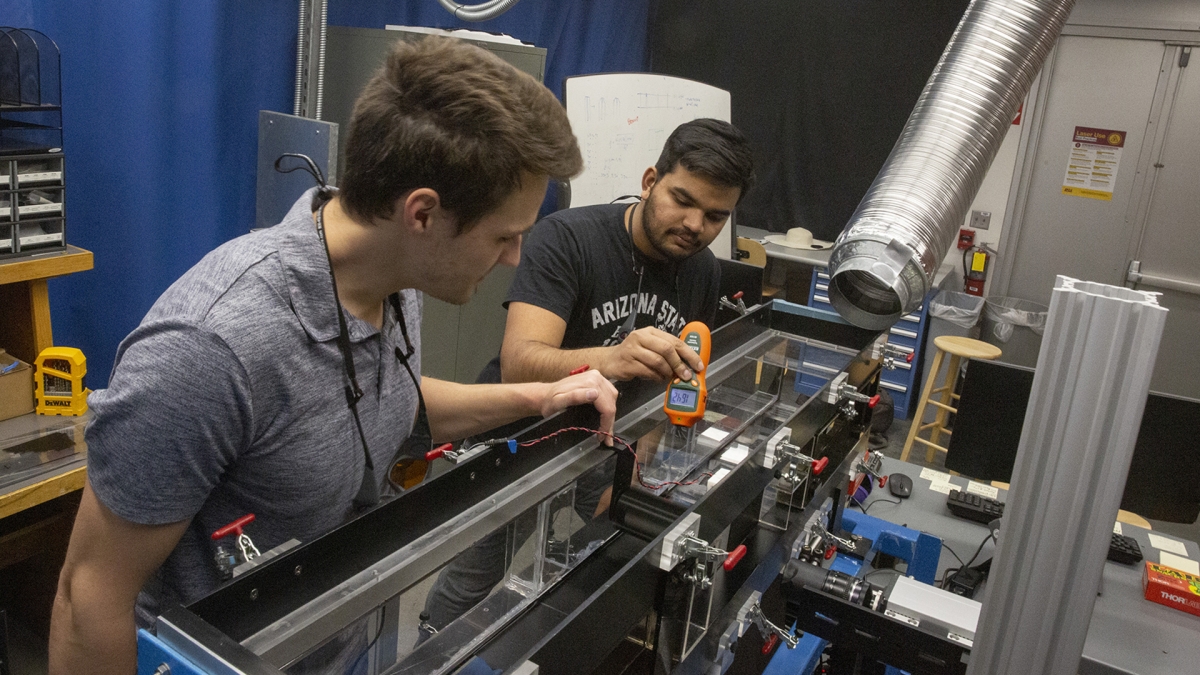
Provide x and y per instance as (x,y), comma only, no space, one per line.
(32,186)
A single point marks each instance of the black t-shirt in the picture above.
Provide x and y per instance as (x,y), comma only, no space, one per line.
(581,264)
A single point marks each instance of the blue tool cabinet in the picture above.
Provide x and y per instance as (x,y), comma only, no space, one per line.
(908,335)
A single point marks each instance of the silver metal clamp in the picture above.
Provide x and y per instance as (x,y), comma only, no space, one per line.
(704,556)
(793,459)
(767,628)
(739,306)
(848,395)
(893,353)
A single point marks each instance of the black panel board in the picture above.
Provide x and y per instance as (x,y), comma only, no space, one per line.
(822,88)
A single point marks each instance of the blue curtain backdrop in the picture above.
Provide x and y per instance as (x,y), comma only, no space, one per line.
(160,116)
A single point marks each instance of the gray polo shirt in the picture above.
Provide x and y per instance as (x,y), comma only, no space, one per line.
(228,399)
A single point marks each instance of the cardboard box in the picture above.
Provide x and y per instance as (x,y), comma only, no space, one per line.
(1171,587)
(16,387)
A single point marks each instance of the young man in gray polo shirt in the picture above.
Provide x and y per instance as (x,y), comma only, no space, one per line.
(232,395)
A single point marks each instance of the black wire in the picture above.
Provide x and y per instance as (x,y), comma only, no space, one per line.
(955,570)
(947,547)
(950,571)
(378,632)
(978,550)
(309,167)
(881,499)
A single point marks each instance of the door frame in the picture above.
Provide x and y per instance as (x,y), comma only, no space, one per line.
(1027,150)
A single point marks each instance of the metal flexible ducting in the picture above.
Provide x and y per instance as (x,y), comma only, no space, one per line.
(481,12)
(883,264)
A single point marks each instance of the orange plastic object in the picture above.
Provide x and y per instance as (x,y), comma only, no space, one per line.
(819,466)
(735,556)
(684,400)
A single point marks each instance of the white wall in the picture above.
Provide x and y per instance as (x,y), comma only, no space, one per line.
(1160,14)
(993,197)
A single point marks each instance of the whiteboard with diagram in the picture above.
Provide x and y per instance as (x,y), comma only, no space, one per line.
(622,121)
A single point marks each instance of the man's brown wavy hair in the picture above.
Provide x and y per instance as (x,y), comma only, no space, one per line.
(446,115)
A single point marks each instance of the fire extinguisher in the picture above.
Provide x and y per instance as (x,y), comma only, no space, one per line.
(976,261)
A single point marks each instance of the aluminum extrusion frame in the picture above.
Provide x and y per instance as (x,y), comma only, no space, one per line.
(1084,413)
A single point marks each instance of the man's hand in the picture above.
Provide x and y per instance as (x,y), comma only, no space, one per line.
(650,354)
(588,387)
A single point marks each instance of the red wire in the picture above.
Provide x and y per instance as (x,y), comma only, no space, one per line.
(637,463)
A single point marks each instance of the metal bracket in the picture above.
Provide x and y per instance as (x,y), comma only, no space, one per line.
(697,549)
(736,629)
(848,395)
(872,466)
(792,457)
(671,553)
(832,396)
(892,352)
(773,454)
(767,628)
(463,454)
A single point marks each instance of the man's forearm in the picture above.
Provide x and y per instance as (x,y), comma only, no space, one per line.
(99,641)
(530,361)
(460,410)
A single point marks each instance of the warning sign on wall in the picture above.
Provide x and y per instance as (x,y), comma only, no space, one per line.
(1093,162)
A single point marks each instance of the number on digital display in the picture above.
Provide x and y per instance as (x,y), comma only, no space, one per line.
(683,397)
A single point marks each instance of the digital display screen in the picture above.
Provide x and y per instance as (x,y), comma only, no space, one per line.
(683,398)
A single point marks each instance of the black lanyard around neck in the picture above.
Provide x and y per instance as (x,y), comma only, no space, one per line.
(421,437)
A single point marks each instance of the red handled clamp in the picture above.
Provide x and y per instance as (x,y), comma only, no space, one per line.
(246,550)
(233,528)
(735,556)
(818,466)
(438,451)
(770,643)
(736,304)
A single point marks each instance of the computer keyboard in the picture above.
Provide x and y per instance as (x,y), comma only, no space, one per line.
(1124,549)
(974,507)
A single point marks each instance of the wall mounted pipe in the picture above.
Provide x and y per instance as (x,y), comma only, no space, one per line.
(883,264)
(481,12)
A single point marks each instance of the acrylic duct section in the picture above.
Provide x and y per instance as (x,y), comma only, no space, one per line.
(569,575)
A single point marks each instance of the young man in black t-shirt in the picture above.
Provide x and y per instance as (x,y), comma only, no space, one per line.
(610,286)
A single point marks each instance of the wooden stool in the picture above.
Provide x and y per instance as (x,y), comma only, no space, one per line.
(958,348)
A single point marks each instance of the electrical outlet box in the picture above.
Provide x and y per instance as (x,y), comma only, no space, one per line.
(980,220)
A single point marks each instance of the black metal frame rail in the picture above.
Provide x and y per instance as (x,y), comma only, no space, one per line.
(257,599)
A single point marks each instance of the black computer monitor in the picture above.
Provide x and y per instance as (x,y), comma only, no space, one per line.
(1164,475)
(987,427)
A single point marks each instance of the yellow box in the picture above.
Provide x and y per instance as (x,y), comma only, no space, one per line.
(58,384)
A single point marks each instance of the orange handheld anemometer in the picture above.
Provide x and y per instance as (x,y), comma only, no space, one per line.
(684,402)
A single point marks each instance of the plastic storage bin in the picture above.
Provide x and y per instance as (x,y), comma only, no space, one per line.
(950,313)
(1015,326)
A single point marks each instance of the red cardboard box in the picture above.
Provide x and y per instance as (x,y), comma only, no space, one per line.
(16,387)
(1171,587)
